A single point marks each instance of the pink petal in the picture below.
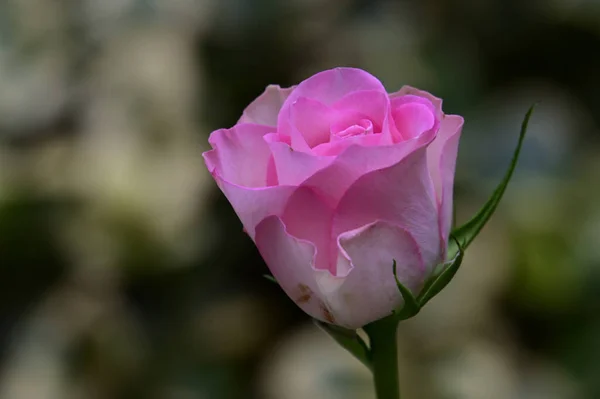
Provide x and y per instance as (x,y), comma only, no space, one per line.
(371,105)
(308,218)
(369,291)
(338,146)
(312,119)
(401,194)
(441,156)
(242,165)
(332,85)
(408,90)
(441,159)
(265,109)
(326,87)
(412,118)
(292,263)
(240,155)
(342,129)
(332,181)
(294,167)
(252,205)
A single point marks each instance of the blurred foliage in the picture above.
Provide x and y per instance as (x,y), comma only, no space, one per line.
(124,273)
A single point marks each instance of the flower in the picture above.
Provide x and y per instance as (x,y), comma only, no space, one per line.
(334,179)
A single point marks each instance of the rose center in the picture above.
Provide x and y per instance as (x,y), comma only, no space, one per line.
(360,128)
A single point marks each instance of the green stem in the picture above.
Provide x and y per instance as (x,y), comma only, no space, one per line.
(384,357)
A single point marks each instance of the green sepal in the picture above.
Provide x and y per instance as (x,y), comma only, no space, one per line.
(468,231)
(349,340)
(438,282)
(270,278)
(411,306)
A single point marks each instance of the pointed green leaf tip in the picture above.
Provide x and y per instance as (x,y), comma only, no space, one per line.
(468,231)
(411,306)
(349,340)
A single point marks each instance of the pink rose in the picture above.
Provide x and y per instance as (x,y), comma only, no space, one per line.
(335,178)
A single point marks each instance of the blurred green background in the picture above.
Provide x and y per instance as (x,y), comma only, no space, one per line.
(124,273)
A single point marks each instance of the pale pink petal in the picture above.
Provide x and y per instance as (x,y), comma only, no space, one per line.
(401,194)
(412,119)
(294,167)
(338,146)
(408,90)
(332,181)
(326,87)
(371,105)
(294,136)
(292,263)
(312,119)
(369,292)
(252,205)
(240,155)
(308,218)
(265,109)
(334,84)
(441,159)
(441,156)
(343,129)
(272,178)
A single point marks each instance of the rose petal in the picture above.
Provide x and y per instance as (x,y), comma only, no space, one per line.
(308,218)
(291,261)
(294,167)
(366,104)
(332,181)
(326,87)
(342,129)
(441,166)
(336,147)
(240,155)
(265,109)
(401,194)
(252,205)
(369,291)
(312,119)
(411,91)
(412,119)
(332,85)
(441,159)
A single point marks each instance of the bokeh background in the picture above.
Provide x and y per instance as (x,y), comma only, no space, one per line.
(124,273)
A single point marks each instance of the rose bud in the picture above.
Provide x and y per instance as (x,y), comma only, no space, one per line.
(334,180)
